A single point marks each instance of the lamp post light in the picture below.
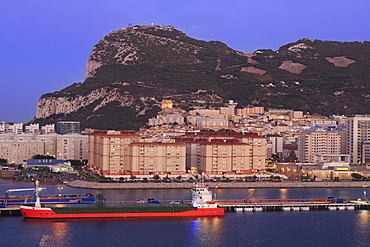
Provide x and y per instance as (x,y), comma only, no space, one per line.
(365,191)
(60,190)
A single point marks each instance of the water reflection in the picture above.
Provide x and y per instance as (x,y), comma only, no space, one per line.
(363,221)
(283,193)
(251,193)
(50,232)
(362,225)
(344,194)
(206,231)
(60,233)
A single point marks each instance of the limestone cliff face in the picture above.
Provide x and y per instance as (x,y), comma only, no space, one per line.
(48,106)
(141,44)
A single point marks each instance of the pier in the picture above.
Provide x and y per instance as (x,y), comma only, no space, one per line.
(10,211)
(217,185)
(291,206)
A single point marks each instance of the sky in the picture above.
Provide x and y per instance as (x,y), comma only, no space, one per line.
(44,45)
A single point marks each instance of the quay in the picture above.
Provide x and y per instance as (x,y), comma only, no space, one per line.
(217,185)
(296,206)
(13,211)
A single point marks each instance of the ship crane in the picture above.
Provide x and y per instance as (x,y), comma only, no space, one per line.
(14,190)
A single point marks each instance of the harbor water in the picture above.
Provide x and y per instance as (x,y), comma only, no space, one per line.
(285,228)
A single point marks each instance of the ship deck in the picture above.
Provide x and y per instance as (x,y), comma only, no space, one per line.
(115,204)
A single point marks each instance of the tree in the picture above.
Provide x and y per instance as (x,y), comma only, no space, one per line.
(78,163)
(356,176)
(292,156)
(40,156)
(276,157)
(3,161)
(167,179)
(41,169)
(156,177)
(100,200)
(275,178)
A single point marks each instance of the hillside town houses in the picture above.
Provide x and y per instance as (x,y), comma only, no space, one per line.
(223,141)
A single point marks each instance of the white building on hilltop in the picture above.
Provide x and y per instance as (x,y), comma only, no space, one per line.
(16,128)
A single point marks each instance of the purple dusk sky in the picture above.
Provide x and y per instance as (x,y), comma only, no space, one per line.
(45,44)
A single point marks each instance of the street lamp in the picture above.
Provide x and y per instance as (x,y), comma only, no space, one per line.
(60,190)
(365,190)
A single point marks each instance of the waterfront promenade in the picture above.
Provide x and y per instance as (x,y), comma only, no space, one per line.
(220,185)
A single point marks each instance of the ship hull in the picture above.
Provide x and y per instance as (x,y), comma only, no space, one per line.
(49,213)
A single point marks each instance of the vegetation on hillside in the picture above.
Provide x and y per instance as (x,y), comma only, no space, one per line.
(173,65)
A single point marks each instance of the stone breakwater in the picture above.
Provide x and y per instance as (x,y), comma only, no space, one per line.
(220,185)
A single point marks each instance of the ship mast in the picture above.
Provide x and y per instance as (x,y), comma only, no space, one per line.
(37,203)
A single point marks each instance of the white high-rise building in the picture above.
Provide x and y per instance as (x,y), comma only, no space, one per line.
(358,133)
(16,128)
(318,141)
(277,143)
(32,128)
(72,147)
(48,128)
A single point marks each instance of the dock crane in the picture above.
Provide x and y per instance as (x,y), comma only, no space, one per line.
(37,189)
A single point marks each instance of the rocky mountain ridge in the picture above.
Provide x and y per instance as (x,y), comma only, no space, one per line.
(131,70)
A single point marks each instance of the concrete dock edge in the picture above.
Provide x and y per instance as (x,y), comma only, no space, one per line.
(220,185)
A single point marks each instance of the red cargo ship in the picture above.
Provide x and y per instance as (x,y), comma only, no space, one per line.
(202,205)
